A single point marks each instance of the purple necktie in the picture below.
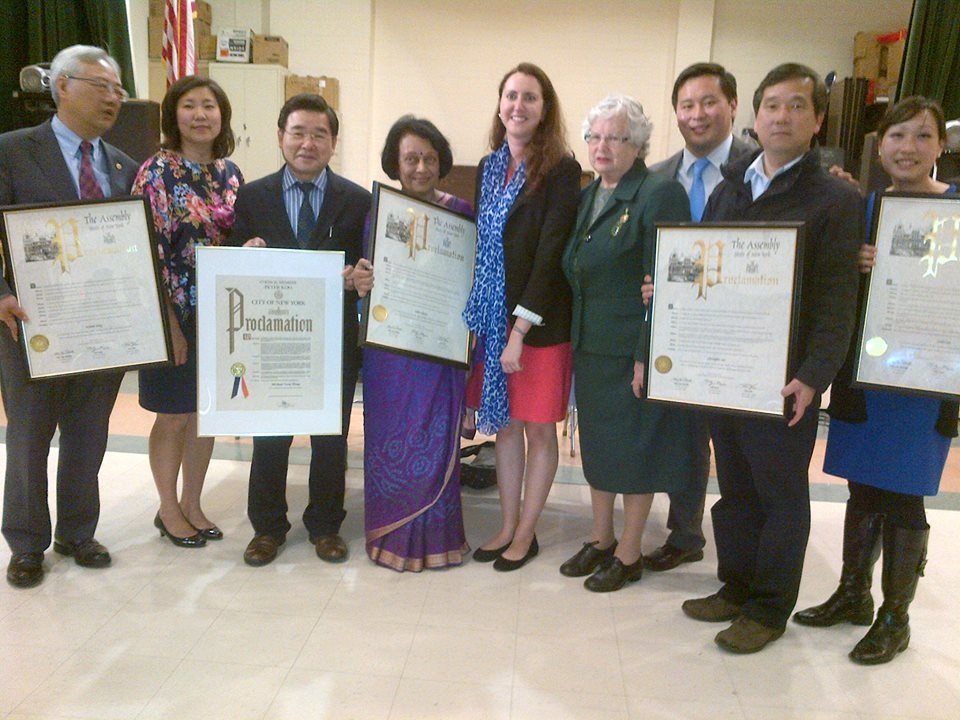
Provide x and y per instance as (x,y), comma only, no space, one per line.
(89,187)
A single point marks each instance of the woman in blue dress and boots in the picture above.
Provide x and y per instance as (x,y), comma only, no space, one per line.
(891,448)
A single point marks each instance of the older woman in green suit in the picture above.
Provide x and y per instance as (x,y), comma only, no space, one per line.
(629,446)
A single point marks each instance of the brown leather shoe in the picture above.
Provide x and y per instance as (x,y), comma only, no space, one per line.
(332,549)
(712,608)
(747,636)
(25,569)
(262,550)
(86,553)
(667,557)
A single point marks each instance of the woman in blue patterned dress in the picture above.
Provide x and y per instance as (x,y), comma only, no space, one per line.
(412,407)
(890,447)
(191,188)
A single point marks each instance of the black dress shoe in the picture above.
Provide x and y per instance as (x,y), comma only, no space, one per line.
(86,553)
(668,557)
(614,576)
(190,541)
(504,565)
(587,560)
(25,569)
(262,550)
(211,533)
(481,555)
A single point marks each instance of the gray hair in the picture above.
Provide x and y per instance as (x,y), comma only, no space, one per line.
(69,61)
(639,125)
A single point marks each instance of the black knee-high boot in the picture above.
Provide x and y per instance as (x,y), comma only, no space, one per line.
(904,557)
(852,601)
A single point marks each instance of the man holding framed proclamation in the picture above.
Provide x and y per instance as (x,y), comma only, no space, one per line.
(306,206)
(59,161)
(762,520)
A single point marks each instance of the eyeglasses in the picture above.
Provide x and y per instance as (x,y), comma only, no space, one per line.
(300,136)
(104,86)
(411,161)
(612,141)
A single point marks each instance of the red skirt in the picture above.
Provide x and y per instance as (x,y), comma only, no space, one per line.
(541,391)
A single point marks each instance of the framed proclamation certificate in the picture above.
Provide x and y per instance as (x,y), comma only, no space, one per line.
(87,276)
(269,341)
(423,257)
(909,334)
(723,315)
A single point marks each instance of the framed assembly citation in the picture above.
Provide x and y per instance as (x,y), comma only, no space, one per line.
(909,333)
(269,341)
(86,274)
(423,256)
(723,315)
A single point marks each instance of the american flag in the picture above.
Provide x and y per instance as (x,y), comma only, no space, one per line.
(179,46)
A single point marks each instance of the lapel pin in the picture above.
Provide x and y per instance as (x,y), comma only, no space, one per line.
(620,223)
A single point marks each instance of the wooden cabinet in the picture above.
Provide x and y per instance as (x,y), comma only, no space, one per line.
(256,95)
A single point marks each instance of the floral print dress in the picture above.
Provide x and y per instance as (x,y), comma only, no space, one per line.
(192,205)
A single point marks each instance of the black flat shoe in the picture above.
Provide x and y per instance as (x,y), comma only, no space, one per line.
(192,541)
(481,555)
(210,533)
(614,576)
(587,560)
(503,565)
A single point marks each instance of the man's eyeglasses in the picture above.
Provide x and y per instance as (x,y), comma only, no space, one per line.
(104,86)
(300,136)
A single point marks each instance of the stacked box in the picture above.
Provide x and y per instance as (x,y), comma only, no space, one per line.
(270,50)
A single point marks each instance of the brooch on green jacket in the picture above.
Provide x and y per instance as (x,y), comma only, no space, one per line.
(620,223)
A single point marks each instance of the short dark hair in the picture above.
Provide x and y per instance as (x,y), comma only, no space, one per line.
(909,108)
(422,128)
(224,143)
(312,103)
(728,83)
(793,71)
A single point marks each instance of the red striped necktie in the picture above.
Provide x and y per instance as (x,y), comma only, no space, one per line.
(89,187)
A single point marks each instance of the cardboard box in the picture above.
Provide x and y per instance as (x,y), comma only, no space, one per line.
(327,87)
(158,8)
(157,78)
(206,47)
(204,12)
(878,56)
(234,45)
(155,37)
(270,50)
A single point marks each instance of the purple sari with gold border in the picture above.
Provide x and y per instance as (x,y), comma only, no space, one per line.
(412,410)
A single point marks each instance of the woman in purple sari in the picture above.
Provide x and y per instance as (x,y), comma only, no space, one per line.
(412,408)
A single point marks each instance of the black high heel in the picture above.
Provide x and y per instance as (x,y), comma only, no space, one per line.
(210,533)
(192,541)
(504,565)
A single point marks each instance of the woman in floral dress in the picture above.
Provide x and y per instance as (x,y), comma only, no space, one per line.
(191,187)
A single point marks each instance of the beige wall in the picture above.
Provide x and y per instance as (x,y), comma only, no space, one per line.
(443,58)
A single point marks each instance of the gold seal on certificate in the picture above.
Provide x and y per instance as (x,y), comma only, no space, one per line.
(875,347)
(663,364)
(238,369)
(379,313)
(39,343)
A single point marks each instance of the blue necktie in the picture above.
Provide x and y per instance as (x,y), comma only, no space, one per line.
(306,220)
(698,195)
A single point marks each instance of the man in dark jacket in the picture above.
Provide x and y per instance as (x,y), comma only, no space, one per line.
(762,520)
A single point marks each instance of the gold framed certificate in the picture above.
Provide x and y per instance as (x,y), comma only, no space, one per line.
(723,315)
(87,275)
(909,333)
(423,256)
(269,341)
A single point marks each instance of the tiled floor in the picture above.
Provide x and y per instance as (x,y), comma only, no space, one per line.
(173,633)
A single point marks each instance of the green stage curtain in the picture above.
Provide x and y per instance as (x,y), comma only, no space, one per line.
(931,64)
(34,31)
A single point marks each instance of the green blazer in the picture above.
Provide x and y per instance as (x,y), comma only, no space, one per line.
(605,261)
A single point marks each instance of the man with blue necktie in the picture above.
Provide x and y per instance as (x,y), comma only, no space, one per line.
(705,101)
(305,205)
